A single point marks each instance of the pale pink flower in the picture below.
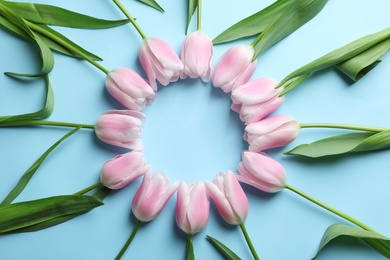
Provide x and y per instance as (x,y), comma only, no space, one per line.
(261,172)
(152,195)
(192,207)
(121,128)
(197,56)
(159,61)
(129,88)
(234,68)
(123,169)
(229,197)
(271,132)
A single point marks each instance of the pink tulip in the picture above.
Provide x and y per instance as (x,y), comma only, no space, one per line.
(192,207)
(197,56)
(271,132)
(229,197)
(253,113)
(152,195)
(261,172)
(123,169)
(121,128)
(159,61)
(132,91)
(234,68)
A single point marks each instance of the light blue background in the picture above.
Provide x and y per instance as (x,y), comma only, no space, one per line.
(191,134)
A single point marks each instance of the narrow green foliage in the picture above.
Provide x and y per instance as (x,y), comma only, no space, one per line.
(24,180)
(354,59)
(53,15)
(24,214)
(42,113)
(378,242)
(153,4)
(190,248)
(252,25)
(224,250)
(289,20)
(344,144)
(192,5)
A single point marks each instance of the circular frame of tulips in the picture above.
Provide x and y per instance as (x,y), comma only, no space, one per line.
(252,100)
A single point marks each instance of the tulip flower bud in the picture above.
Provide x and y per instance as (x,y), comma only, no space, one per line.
(192,207)
(123,169)
(271,132)
(152,195)
(159,61)
(197,56)
(132,91)
(261,172)
(234,68)
(229,197)
(121,128)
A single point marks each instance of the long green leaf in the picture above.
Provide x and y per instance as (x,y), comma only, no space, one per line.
(153,4)
(344,54)
(224,250)
(344,144)
(358,66)
(252,25)
(24,214)
(53,15)
(378,242)
(22,183)
(100,194)
(192,5)
(289,20)
(42,113)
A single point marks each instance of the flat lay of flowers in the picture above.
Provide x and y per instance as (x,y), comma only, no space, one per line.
(194,130)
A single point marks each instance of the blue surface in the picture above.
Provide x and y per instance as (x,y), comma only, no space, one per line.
(191,134)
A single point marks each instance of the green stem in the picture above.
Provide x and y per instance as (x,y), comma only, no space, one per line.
(63,43)
(344,126)
(43,122)
(190,248)
(331,209)
(92,187)
(132,20)
(128,242)
(249,242)
(199,24)
(256,41)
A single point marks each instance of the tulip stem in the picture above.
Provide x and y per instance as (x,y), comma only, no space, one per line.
(344,126)
(65,44)
(199,23)
(128,242)
(44,122)
(190,248)
(132,20)
(249,242)
(89,188)
(331,209)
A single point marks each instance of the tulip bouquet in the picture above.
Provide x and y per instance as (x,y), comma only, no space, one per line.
(254,100)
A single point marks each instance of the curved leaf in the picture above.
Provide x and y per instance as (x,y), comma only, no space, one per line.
(22,183)
(42,113)
(378,242)
(252,25)
(24,214)
(224,250)
(53,15)
(344,144)
(153,4)
(192,5)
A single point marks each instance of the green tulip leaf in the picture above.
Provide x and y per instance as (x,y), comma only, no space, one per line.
(252,25)
(24,180)
(355,58)
(53,15)
(378,242)
(192,5)
(344,144)
(224,250)
(153,4)
(289,20)
(100,194)
(24,214)
(42,113)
